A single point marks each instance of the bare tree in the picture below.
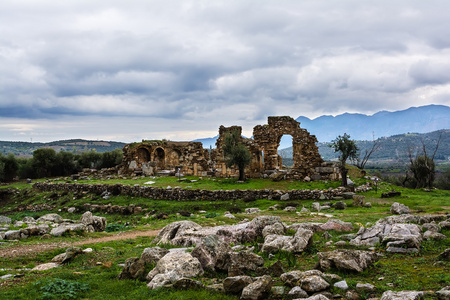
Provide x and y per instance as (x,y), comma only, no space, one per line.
(423,167)
(361,163)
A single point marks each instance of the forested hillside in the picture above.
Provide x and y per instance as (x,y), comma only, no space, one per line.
(393,149)
(25,149)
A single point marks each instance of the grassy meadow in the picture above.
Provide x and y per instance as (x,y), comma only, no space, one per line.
(94,275)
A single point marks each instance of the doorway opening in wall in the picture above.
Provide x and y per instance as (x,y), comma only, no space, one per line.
(285,150)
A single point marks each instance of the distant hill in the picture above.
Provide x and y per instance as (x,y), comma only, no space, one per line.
(394,148)
(25,149)
(382,124)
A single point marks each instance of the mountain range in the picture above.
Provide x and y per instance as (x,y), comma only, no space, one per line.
(362,127)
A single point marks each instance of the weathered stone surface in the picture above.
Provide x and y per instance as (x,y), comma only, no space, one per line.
(175,230)
(342,285)
(399,209)
(5,220)
(298,243)
(313,283)
(277,228)
(317,297)
(347,260)
(337,225)
(290,209)
(210,250)
(133,268)
(66,227)
(258,290)
(403,295)
(365,287)
(394,235)
(45,267)
(235,284)
(173,266)
(93,223)
(153,254)
(53,218)
(444,293)
(65,257)
(433,235)
(188,284)
(297,292)
(339,205)
(241,263)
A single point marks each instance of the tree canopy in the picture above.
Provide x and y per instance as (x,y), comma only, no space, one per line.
(236,153)
(347,150)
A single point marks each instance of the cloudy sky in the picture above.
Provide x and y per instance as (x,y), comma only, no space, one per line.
(133,70)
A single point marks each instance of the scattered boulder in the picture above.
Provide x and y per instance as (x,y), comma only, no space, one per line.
(5,220)
(399,209)
(337,225)
(133,268)
(67,227)
(444,293)
(403,295)
(45,267)
(258,290)
(171,232)
(152,255)
(241,263)
(52,218)
(365,287)
(173,266)
(297,292)
(298,243)
(65,257)
(342,285)
(276,228)
(93,223)
(347,260)
(210,250)
(235,284)
(339,205)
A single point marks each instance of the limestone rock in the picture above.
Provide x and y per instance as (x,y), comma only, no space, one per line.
(297,292)
(210,250)
(5,220)
(53,218)
(258,290)
(433,235)
(45,267)
(235,284)
(337,225)
(365,287)
(342,285)
(153,254)
(399,209)
(70,253)
(277,228)
(403,295)
(298,243)
(133,268)
(347,260)
(313,283)
(174,230)
(444,256)
(444,293)
(188,284)
(65,227)
(93,223)
(173,266)
(241,263)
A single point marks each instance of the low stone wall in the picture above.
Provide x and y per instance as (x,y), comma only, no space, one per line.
(178,194)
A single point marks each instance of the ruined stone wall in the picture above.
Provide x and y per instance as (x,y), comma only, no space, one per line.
(178,194)
(254,170)
(305,151)
(150,157)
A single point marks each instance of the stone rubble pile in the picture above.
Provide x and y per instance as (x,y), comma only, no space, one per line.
(52,224)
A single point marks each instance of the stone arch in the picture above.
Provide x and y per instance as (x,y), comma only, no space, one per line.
(143,155)
(159,156)
(305,151)
(173,157)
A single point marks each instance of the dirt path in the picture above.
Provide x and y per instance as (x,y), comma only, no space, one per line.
(21,250)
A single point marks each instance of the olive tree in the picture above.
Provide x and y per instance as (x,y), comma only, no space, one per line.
(347,150)
(236,153)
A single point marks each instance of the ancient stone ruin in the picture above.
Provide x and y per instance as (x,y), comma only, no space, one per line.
(190,158)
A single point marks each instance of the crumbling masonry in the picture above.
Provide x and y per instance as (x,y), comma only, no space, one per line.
(190,158)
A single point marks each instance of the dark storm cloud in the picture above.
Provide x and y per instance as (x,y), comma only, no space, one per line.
(185,66)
